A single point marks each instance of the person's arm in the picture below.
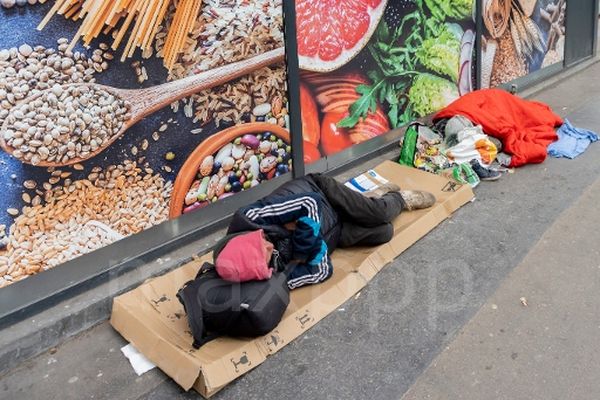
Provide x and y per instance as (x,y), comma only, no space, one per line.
(310,250)
(283,210)
(315,270)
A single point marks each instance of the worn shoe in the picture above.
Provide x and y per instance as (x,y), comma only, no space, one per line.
(417,199)
(383,189)
(483,173)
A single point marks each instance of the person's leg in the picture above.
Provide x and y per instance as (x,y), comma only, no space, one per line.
(357,235)
(358,208)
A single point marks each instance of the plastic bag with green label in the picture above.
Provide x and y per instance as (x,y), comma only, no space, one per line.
(473,144)
(409,145)
(463,174)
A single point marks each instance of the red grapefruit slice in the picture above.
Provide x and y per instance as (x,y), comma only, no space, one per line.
(332,32)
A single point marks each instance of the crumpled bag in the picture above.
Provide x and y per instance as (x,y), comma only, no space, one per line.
(473,144)
(429,155)
(463,174)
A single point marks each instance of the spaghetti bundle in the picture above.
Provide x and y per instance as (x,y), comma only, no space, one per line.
(141,18)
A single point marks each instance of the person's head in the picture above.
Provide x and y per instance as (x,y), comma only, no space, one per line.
(245,257)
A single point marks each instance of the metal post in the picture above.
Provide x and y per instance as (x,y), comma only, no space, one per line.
(478,41)
(293,83)
(595,38)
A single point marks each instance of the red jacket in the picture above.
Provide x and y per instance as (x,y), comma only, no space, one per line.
(526,128)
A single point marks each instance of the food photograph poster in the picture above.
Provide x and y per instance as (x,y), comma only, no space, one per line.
(99,138)
(371,66)
(520,37)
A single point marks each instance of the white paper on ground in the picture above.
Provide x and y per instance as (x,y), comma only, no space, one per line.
(140,364)
(377,177)
(363,184)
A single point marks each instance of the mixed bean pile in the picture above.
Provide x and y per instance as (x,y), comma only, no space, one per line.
(237,166)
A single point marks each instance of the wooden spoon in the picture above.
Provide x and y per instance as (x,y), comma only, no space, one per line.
(146,101)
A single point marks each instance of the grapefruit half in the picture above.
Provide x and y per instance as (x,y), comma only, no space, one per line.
(332,32)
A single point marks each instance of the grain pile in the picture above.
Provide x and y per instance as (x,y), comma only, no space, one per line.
(555,55)
(226,32)
(508,65)
(125,199)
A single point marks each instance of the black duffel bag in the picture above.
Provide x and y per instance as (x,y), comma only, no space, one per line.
(216,307)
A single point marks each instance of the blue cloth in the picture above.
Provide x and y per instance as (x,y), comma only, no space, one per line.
(571,141)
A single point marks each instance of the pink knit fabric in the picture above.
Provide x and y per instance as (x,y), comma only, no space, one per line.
(245,258)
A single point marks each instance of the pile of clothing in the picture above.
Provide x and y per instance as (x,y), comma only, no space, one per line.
(452,147)
(485,131)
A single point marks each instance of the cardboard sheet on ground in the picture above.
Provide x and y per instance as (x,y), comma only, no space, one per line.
(153,320)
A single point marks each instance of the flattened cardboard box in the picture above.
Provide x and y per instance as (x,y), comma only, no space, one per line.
(153,320)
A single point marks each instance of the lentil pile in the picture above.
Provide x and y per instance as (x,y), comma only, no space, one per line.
(229,31)
(81,216)
(64,123)
(237,166)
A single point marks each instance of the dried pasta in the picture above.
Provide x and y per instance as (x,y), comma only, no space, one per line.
(140,19)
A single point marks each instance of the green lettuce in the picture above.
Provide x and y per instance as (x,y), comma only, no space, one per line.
(441,54)
(430,93)
(456,9)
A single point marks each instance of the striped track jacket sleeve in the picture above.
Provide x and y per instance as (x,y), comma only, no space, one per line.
(308,244)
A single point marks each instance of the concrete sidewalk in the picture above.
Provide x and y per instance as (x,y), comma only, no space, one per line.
(378,344)
(537,336)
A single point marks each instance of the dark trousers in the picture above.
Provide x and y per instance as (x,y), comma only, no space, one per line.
(365,221)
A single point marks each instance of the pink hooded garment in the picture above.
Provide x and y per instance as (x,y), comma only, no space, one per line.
(245,258)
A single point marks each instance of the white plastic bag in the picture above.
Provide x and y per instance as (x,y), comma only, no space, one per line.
(473,144)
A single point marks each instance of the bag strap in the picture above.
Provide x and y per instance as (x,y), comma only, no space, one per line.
(195,314)
(205,339)
(206,267)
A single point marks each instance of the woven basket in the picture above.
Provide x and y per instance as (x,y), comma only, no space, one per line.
(496,16)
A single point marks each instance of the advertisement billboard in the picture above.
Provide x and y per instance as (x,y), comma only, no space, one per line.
(520,37)
(76,173)
(371,66)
